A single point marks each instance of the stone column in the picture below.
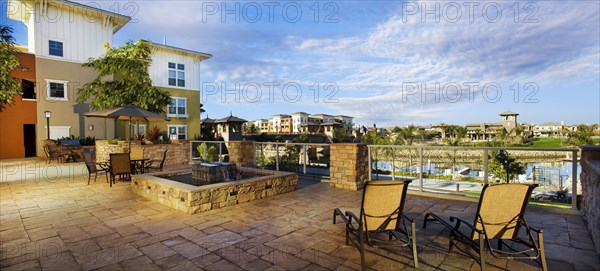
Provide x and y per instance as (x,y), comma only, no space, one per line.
(241,152)
(590,188)
(349,167)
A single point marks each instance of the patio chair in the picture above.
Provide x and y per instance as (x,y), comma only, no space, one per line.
(120,165)
(137,163)
(94,168)
(499,217)
(156,164)
(136,153)
(53,154)
(381,221)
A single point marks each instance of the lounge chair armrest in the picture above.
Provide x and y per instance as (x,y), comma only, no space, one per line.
(351,215)
(338,212)
(459,221)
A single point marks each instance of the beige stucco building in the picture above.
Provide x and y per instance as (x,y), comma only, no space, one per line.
(63,35)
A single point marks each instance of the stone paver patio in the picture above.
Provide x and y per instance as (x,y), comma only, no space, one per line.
(67,225)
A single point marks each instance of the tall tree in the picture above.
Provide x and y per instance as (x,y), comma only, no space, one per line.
(131,83)
(9,87)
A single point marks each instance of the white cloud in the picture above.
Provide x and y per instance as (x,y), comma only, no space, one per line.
(562,45)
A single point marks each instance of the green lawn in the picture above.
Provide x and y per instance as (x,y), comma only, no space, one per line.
(547,143)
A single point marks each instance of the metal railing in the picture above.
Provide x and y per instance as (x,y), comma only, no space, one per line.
(376,156)
(306,158)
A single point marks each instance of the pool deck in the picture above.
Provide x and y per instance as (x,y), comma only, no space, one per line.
(65,224)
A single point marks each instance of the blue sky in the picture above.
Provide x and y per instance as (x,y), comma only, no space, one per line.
(384,61)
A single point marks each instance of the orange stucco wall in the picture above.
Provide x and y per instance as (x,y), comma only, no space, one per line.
(20,112)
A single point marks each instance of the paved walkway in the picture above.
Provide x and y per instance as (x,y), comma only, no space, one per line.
(67,225)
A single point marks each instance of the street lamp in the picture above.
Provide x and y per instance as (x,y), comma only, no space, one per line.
(503,157)
(48,115)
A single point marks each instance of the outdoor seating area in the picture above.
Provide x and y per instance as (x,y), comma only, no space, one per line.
(67,151)
(62,224)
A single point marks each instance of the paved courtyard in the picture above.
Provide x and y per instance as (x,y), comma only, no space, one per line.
(64,224)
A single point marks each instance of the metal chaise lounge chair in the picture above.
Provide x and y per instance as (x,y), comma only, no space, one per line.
(499,217)
(381,215)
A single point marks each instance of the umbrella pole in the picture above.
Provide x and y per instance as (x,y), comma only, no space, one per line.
(129,137)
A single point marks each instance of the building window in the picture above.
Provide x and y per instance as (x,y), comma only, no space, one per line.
(57,90)
(28,89)
(179,130)
(177,108)
(176,74)
(55,48)
(142,130)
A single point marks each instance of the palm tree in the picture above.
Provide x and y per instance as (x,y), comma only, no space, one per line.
(459,133)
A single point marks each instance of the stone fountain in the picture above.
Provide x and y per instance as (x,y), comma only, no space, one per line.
(217,172)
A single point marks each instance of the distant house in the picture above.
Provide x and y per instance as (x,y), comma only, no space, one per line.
(552,129)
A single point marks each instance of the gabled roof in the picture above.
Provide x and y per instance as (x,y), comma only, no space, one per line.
(207,120)
(230,119)
(199,55)
(118,19)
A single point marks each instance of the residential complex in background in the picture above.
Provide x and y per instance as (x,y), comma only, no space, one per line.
(300,123)
(62,35)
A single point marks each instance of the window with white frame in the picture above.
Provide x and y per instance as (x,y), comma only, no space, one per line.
(178,131)
(176,74)
(55,48)
(57,90)
(177,108)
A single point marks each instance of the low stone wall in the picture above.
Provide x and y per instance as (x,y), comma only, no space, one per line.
(177,154)
(195,199)
(348,166)
(590,184)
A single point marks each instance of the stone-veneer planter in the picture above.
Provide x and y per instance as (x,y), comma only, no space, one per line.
(177,154)
(195,199)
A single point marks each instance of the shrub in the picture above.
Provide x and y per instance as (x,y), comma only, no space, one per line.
(211,153)
(154,135)
(87,141)
(113,141)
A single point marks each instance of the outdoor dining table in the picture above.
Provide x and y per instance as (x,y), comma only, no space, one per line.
(137,165)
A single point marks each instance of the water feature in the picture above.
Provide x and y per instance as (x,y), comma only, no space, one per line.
(553,173)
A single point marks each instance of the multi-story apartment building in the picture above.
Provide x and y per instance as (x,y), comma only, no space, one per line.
(302,122)
(18,121)
(177,71)
(298,119)
(261,125)
(279,123)
(62,35)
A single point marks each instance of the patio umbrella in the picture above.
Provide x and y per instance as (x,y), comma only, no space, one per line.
(128,112)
